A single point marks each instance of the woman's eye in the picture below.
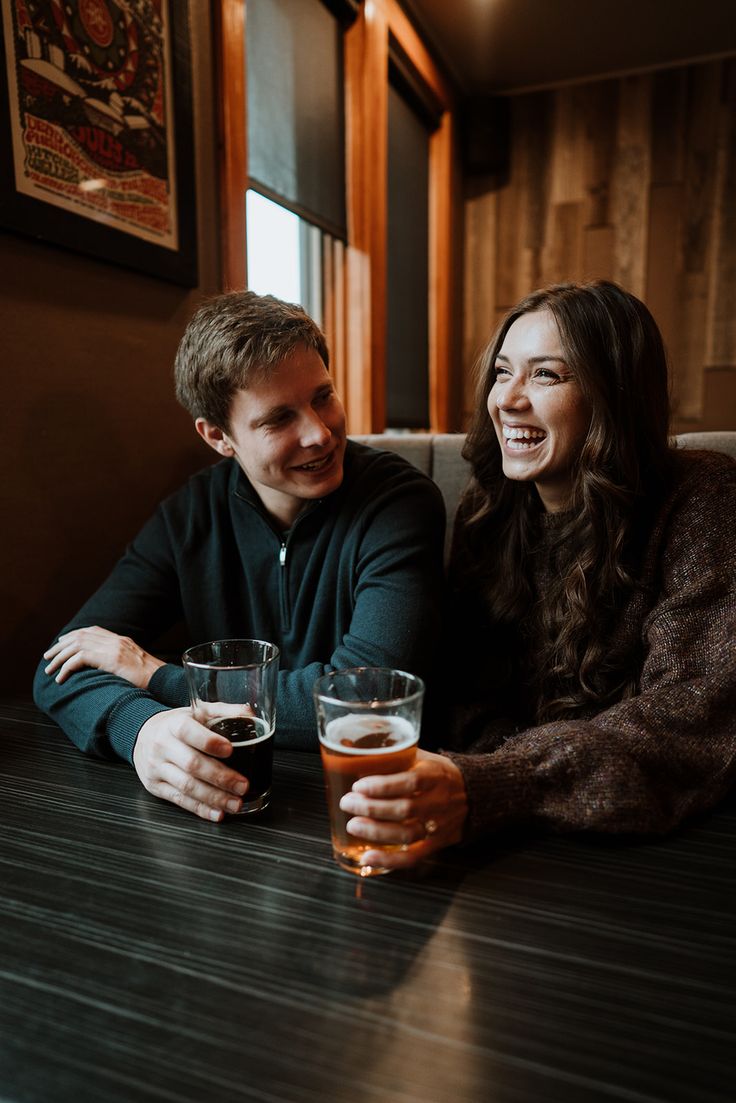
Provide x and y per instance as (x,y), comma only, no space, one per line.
(547,375)
(499,371)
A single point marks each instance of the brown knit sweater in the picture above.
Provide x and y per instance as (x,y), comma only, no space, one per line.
(665,753)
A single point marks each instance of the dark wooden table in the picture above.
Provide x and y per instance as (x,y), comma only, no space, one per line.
(145,955)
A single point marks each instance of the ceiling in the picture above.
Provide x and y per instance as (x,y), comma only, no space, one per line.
(497,46)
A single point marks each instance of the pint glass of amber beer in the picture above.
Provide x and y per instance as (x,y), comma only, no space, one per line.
(368,720)
(232,686)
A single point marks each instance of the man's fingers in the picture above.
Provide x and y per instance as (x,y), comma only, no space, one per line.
(68,666)
(195,764)
(193,734)
(59,655)
(197,791)
(168,792)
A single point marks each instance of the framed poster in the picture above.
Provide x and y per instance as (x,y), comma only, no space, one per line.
(96,130)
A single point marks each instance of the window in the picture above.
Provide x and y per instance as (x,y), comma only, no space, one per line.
(318,147)
(272,234)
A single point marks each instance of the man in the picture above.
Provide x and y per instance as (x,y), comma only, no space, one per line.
(325,547)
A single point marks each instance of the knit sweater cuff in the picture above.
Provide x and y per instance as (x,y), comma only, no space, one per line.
(127,719)
(499,788)
(169,686)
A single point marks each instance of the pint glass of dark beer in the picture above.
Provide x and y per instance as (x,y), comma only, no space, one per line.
(232,686)
(368,720)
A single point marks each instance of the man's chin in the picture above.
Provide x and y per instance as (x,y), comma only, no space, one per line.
(327,485)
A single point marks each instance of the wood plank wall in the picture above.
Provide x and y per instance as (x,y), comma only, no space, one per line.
(631,179)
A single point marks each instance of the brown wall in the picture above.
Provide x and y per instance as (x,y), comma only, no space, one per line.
(93,437)
(630,179)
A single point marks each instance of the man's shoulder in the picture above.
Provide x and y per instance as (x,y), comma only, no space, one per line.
(213,479)
(365,462)
(206,490)
(381,482)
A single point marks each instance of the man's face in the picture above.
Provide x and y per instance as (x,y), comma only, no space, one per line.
(288,435)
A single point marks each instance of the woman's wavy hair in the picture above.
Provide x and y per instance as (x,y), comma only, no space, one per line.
(614,348)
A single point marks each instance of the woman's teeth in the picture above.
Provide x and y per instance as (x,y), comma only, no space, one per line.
(523,438)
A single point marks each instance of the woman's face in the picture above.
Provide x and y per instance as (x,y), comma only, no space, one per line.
(537,408)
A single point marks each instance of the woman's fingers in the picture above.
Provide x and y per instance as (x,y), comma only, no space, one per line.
(422,810)
(359,805)
(380,831)
(399,859)
(385,786)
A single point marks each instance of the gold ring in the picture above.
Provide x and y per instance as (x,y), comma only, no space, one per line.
(430,826)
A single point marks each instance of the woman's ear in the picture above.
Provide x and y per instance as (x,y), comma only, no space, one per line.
(214,436)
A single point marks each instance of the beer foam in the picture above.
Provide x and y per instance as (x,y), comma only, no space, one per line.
(356,725)
(262,731)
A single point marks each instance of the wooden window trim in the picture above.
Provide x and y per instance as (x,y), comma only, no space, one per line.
(359,335)
(232,148)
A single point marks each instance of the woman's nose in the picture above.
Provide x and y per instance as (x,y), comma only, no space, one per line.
(509,395)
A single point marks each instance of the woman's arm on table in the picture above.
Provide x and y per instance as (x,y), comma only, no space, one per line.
(648,762)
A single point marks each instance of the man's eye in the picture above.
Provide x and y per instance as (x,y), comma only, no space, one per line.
(323,398)
(278,420)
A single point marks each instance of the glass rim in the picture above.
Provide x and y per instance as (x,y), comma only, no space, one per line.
(383,702)
(273,657)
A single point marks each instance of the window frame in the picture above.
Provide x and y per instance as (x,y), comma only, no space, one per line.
(355,314)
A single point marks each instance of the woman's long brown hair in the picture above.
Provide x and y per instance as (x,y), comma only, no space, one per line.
(613,347)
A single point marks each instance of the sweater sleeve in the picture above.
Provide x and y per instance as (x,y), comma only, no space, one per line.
(398,595)
(98,711)
(668,752)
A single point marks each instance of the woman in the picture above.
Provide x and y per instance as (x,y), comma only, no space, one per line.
(593,587)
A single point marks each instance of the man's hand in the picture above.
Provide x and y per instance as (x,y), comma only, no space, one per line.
(173,758)
(96,647)
(423,809)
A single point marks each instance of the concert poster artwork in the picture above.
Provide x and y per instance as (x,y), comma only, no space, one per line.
(96,130)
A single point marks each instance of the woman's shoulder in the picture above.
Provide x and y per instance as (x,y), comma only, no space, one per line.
(701,476)
(696,520)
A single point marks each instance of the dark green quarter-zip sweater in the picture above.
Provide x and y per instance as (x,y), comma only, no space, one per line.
(356,581)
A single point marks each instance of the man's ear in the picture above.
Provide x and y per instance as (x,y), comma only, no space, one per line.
(214,436)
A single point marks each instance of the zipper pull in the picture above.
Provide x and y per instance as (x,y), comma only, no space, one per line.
(282,555)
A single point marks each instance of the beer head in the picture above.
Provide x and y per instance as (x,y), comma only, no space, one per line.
(357,734)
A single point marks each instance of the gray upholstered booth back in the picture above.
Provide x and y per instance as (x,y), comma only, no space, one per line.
(439,455)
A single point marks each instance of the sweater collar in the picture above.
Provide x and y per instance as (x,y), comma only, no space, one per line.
(241,487)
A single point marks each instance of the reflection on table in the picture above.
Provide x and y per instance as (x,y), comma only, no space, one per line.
(147,955)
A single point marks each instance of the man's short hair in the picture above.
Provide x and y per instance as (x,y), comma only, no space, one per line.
(233,341)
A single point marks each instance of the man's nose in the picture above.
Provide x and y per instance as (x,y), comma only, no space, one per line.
(314,431)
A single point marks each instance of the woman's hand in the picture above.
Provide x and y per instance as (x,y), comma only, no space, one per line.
(96,647)
(176,758)
(423,808)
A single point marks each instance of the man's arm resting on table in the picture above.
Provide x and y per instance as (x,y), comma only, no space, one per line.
(102,650)
(175,757)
